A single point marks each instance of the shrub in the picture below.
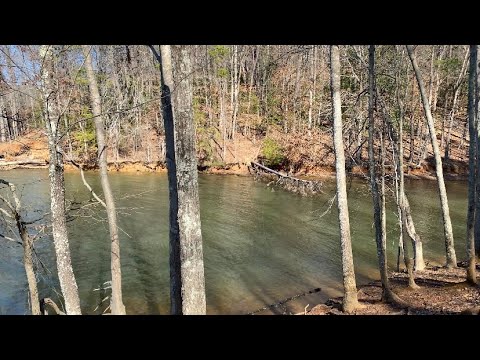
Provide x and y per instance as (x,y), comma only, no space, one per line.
(272,153)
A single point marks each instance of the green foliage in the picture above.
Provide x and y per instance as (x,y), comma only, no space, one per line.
(348,83)
(449,65)
(254,103)
(219,52)
(85,112)
(223,72)
(272,152)
(88,136)
(81,77)
(386,84)
(204,132)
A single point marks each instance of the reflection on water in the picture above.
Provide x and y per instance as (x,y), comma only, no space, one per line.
(260,245)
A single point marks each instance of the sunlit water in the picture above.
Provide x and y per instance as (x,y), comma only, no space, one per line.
(260,246)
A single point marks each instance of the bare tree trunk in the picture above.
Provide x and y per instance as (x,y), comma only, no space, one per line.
(27,244)
(379,221)
(312,90)
(68,284)
(400,251)
(255,52)
(295,94)
(16,125)
(477,143)
(3,126)
(447,225)
(457,88)
(471,271)
(406,215)
(187,288)
(350,301)
(236,88)
(116,304)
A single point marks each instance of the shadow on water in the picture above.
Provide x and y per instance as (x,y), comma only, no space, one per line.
(260,246)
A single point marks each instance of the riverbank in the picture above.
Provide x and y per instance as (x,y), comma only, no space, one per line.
(302,156)
(442,292)
(238,169)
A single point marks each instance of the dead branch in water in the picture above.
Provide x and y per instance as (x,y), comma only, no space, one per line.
(290,183)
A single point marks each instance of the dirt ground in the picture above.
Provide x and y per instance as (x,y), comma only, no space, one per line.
(442,292)
(309,155)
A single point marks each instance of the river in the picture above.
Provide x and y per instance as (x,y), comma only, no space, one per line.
(260,246)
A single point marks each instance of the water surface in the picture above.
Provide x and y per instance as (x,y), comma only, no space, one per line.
(260,245)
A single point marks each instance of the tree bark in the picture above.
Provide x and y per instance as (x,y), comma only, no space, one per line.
(447,225)
(457,88)
(116,304)
(377,199)
(187,288)
(471,271)
(350,300)
(68,284)
(27,244)
(477,172)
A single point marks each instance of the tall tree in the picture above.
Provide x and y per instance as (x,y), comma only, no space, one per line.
(116,304)
(378,206)
(472,156)
(68,284)
(477,172)
(447,224)
(350,300)
(187,282)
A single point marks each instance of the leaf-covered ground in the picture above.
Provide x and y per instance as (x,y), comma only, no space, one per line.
(442,292)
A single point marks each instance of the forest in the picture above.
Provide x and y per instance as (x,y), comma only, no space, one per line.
(221,179)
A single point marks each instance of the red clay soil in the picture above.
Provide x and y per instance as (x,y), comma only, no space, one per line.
(306,154)
(442,292)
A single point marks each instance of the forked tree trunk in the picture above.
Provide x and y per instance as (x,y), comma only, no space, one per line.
(405,213)
(447,224)
(116,304)
(378,214)
(350,300)
(68,284)
(187,282)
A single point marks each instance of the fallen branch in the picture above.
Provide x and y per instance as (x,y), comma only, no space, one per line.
(48,301)
(87,185)
(23,162)
(285,300)
(290,183)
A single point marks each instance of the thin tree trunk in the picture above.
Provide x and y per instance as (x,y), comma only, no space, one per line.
(312,90)
(472,199)
(68,284)
(350,301)
(27,244)
(377,198)
(477,143)
(29,269)
(187,287)
(255,52)
(457,88)
(447,225)
(116,304)
(407,220)
(3,126)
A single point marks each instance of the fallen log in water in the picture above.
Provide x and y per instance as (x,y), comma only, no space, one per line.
(290,183)
(22,163)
